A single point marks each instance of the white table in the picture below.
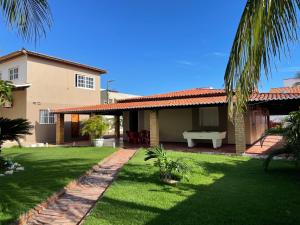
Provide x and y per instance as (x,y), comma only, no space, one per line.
(215,136)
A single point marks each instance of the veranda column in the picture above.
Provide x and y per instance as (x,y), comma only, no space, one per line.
(154,128)
(60,125)
(240,133)
(117,127)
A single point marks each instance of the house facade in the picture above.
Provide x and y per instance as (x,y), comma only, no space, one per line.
(167,116)
(43,82)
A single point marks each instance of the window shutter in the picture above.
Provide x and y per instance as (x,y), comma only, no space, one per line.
(76,80)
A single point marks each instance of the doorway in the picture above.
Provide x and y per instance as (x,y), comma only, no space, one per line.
(133,121)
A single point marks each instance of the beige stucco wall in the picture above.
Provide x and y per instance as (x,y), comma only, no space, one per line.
(20,63)
(173,122)
(19,106)
(52,87)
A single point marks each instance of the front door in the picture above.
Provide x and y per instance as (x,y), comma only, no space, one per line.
(75,127)
(133,121)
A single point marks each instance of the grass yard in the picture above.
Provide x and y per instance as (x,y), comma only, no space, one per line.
(222,190)
(46,170)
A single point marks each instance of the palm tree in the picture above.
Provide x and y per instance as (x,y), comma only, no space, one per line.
(265,30)
(13,129)
(31,19)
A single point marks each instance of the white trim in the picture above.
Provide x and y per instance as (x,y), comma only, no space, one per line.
(13,68)
(84,76)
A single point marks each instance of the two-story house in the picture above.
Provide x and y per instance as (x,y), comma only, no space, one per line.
(43,82)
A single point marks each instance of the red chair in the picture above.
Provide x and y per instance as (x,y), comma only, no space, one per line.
(144,137)
(133,137)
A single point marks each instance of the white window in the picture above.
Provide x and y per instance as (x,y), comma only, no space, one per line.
(13,73)
(209,117)
(84,82)
(46,117)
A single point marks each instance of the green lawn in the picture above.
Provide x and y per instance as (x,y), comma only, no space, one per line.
(46,170)
(222,190)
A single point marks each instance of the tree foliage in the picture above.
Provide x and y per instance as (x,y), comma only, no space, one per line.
(5,92)
(94,126)
(290,131)
(265,30)
(168,168)
(13,129)
(30,18)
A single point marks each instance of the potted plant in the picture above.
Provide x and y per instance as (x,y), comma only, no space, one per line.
(95,127)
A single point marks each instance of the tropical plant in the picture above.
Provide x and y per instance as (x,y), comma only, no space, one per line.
(264,32)
(30,18)
(95,126)
(168,169)
(290,131)
(13,129)
(5,92)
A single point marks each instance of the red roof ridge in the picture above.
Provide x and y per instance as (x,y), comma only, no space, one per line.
(194,92)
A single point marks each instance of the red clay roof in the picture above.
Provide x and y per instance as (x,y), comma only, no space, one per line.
(178,94)
(285,90)
(175,102)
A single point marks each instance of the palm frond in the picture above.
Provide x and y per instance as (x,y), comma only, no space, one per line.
(13,129)
(31,18)
(265,30)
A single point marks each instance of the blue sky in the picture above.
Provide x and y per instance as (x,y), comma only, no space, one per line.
(148,46)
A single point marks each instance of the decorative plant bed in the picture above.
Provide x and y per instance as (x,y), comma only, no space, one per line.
(8,167)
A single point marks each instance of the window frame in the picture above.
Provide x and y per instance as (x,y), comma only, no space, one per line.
(14,77)
(85,82)
(202,114)
(46,119)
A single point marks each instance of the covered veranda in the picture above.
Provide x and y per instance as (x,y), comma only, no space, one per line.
(157,109)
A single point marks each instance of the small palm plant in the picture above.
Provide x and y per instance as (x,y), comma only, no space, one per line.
(13,129)
(290,131)
(168,169)
(95,127)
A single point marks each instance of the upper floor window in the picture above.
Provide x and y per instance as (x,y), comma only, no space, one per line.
(13,73)
(46,117)
(84,81)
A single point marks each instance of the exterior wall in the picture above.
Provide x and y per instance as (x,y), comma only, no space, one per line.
(52,87)
(291,82)
(144,120)
(173,122)
(20,63)
(114,96)
(18,109)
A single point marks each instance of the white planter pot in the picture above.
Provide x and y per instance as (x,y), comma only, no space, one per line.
(98,142)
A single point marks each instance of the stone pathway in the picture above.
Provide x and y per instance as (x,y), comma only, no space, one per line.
(72,206)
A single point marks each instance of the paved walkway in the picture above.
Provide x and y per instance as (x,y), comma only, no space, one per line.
(72,206)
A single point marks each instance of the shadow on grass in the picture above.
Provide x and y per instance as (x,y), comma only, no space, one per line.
(240,193)
(41,178)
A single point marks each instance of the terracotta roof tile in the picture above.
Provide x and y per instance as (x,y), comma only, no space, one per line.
(179,94)
(175,102)
(285,90)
